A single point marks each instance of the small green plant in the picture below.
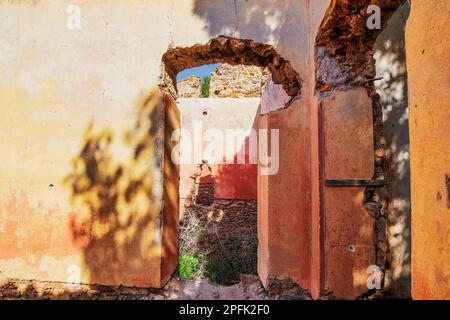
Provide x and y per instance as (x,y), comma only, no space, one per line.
(188,266)
(205,86)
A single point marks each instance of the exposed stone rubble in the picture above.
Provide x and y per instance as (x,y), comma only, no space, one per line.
(176,289)
(344,55)
(191,87)
(203,185)
(205,193)
(286,289)
(223,49)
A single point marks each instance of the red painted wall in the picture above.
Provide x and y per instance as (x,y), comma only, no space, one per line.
(232,181)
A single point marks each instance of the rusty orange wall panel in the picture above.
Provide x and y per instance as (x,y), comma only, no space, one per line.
(347,153)
(288,197)
(428,58)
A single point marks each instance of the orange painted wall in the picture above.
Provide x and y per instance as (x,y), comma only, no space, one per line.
(171,196)
(348,229)
(66,216)
(428,56)
(293,204)
(288,211)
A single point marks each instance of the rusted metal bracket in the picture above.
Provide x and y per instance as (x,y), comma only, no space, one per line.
(355,183)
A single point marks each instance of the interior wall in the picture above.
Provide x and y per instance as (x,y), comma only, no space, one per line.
(171,199)
(390,56)
(284,212)
(427,56)
(232,180)
(82,174)
(344,73)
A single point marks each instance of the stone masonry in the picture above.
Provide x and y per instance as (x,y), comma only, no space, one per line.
(191,87)
(227,81)
(237,81)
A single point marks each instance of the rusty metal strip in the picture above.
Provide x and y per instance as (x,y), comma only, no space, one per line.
(355,183)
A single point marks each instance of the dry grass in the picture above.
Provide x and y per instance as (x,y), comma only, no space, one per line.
(223,238)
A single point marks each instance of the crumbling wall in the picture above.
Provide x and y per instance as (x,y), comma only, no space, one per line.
(344,62)
(203,185)
(227,81)
(390,56)
(233,51)
(344,44)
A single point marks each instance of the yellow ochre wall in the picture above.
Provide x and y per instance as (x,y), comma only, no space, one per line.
(427,57)
(81,138)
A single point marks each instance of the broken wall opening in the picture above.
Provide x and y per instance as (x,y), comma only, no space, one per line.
(233,213)
(344,68)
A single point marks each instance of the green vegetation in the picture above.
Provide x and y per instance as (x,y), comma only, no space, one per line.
(188,266)
(205,86)
(220,271)
(216,250)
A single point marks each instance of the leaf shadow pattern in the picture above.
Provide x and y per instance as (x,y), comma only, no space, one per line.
(242,18)
(117,227)
(393,89)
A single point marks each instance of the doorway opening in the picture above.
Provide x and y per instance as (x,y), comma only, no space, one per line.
(218,196)
(219,112)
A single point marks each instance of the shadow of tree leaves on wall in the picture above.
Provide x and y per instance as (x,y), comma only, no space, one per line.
(242,18)
(393,90)
(120,202)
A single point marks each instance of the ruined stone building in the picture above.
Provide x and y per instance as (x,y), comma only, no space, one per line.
(350,198)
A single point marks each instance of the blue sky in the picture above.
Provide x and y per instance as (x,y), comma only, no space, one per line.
(201,71)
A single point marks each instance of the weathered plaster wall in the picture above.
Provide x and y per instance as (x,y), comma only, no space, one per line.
(107,74)
(82,164)
(344,69)
(282,253)
(348,150)
(232,180)
(390,64)
(48,105)
(427,56)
